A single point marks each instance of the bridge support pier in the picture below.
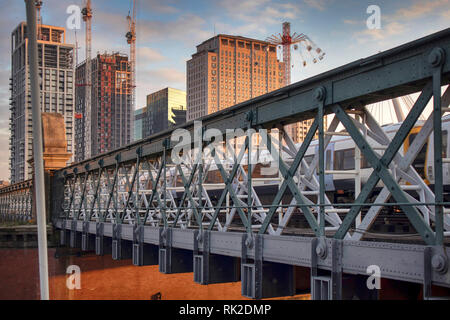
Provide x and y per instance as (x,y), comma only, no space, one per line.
(334,285)
(75,236)
(172,260)
(211,268)
(102,245)
(87,239)
(260,280)
(64,237)
(144,254)
(121,249)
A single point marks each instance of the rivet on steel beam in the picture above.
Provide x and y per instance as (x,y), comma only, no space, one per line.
(101,162)
(249,241)
(117,157)
(86,167)
(321,250)
(439,263)
(249,116)
(320,93)
(75,170)
(436,57)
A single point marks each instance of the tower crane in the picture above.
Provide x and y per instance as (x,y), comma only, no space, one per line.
(131,40)
(87,17)
(38,18)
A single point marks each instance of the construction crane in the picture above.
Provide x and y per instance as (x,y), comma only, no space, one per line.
(131,40)
(87,17)
(38,4)
(301,42)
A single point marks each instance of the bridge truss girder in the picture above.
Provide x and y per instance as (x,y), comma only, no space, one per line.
(137,184)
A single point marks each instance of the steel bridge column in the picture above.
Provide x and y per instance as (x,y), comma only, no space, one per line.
(87,239)
(121,249)
(102,245)
(144,254)
(434,257)
(261,279)
(75,236)
(436,60)
(172,260)
(212,268)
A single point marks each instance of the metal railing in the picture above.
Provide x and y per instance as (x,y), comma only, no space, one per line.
(16,202)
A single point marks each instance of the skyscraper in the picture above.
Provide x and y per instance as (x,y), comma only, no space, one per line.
(56,70)
(165,109)
(139,118)
(112,116)
(227,70)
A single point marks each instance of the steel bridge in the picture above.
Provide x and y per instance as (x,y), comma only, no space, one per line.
(137,202)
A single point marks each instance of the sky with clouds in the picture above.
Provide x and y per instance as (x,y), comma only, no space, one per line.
(168,31)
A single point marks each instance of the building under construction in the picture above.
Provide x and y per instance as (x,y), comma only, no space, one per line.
(111,105)
(56,69)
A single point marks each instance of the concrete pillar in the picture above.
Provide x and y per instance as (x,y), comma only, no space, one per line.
(173,260)
(55,157)
(144,254)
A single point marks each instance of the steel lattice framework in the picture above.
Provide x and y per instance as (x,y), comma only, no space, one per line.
(137,195)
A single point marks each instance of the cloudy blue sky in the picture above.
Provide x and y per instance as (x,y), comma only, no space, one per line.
(168,31)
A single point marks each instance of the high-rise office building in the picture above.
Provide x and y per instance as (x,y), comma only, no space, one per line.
(165,109)
(56,70)
(227,70)
(112,117)
(139,118)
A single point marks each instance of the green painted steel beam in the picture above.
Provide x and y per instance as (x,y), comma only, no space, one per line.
(381,170)
(292,170)
(186,186)
(299,197)
(386,75)
(154,188)
(155,192)
(187,191)
(96,197)
(228,179)
(437,139)
(387,157)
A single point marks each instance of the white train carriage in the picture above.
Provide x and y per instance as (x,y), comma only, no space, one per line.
(340,157)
